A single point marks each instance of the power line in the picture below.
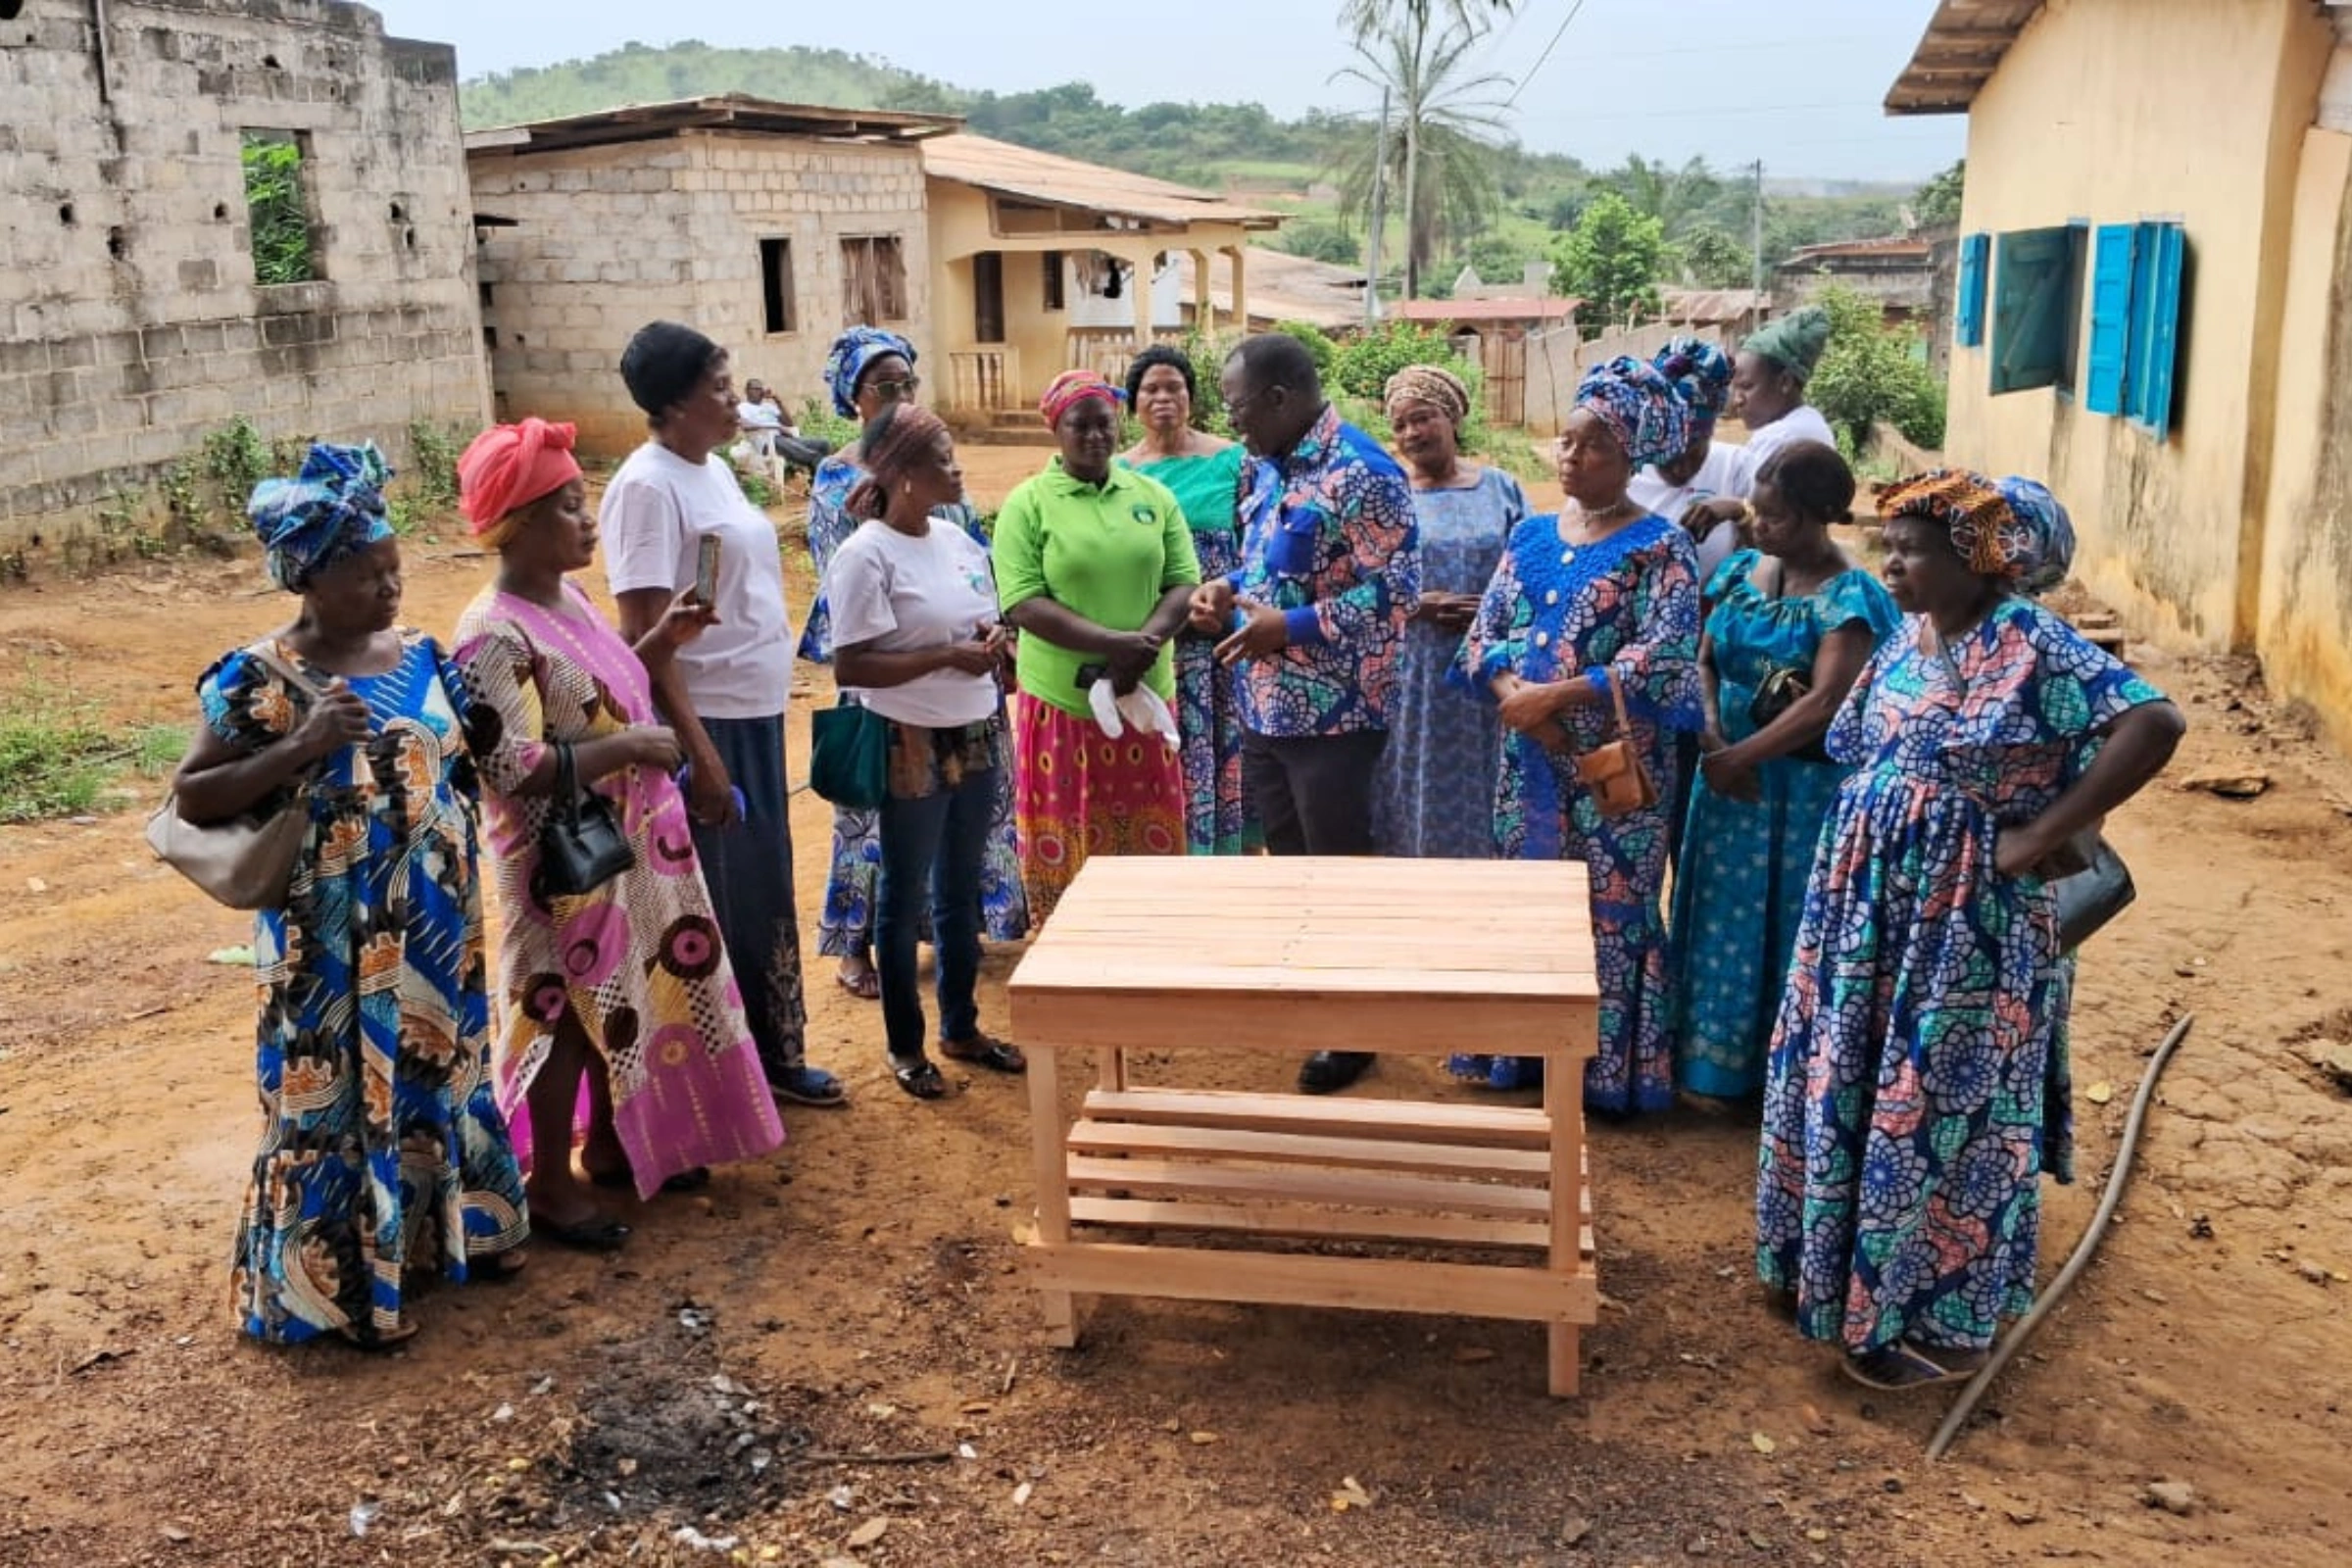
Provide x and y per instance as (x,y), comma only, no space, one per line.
(1558,34)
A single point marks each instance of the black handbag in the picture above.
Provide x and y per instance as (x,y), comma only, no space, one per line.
(1779,693)
(580,844)
(2088,898)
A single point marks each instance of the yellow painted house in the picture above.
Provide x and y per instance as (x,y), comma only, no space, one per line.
(2153,290)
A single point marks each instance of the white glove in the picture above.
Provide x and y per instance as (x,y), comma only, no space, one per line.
(1106,708)
(1148,715)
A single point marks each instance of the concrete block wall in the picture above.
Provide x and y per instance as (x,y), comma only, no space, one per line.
(130,321)
(608,238)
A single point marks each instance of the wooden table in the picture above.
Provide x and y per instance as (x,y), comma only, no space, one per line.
(1282,956)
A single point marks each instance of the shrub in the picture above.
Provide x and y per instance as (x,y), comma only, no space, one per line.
(1872,371)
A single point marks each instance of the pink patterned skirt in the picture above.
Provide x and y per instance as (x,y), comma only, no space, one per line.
(1079,793)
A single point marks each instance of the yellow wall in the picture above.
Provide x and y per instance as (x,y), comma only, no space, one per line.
(2114,110)
(2305,634)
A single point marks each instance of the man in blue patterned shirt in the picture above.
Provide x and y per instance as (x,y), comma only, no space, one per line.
(1316,615)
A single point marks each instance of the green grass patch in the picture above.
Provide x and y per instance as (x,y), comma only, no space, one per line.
(59,758)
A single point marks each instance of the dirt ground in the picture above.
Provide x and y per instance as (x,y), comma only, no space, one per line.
(832,1356)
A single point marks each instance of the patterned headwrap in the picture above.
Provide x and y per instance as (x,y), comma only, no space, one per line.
(899,437)
(333,507)
(1071,388)
(1986,532)
(852,352)
(1703,374)
(507,468)
(1794,341)
(1640,407)
(1433,384)
(2038,510)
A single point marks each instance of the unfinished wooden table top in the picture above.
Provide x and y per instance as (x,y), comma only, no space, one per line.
(1413,955)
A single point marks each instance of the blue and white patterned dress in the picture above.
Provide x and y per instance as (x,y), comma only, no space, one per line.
(847,925)
(1627,608)
(1435,797)
(1740,887)
(1918,1082)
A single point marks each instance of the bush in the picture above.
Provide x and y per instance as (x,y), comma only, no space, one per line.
(1318,343)
(1365,363)
(1872,371)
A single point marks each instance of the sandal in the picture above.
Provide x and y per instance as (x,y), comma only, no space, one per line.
(984,1050)
(685,1181)
(598,1233)
(804,1085)
(1898,1367)
(919,1078)
(865,985)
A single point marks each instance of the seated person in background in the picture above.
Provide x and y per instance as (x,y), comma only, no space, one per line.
(761,418)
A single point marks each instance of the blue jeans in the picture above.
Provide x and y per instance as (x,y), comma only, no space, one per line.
(933,847)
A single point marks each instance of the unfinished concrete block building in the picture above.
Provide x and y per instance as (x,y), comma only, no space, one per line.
(221,208)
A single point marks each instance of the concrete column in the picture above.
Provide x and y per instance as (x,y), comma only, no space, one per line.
(1205,311)
(1144,264)
(1241,287)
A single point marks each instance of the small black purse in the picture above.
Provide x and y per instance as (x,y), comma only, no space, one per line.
(580,844)
(1778,693)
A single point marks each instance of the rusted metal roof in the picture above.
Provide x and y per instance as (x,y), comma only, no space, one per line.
(1711,307)
(1891,248)
(1052,180)
(1963,46)
(1503,310)
(729,111)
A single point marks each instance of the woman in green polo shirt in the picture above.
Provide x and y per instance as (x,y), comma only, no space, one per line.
(1094,564)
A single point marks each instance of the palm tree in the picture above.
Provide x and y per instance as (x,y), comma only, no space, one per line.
(1363,18)
(1449,121)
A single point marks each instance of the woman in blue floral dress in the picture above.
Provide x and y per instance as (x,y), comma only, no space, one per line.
(1436,791)
(1917,1086)
(1795,608)
(384,1157)
(869,370)
(1601,599)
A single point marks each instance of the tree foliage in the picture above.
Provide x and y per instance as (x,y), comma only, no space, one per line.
(1611,262)
(1708,258)
(277,212)
(1872,371)
(1938,200)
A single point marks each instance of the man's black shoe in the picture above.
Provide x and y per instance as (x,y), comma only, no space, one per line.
(1328,1071)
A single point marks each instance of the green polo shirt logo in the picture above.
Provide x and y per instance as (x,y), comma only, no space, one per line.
(1147,515)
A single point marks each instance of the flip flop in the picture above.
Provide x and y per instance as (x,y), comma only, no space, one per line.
(685,1181)
(919,1078)
(809,1086)
(1898,1367)
(865,985)
(599,1233)
(983,1050)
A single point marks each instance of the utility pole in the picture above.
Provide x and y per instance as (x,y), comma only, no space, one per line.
(1380,214)
(1755,271)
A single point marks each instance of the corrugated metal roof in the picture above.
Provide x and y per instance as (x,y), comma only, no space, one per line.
(1503,310)
(1711,306)
(1056,182)
(1963,46)
(732,112)
(1888,248)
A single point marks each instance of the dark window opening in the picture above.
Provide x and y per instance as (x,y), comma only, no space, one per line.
(873,279)
(489,337)
(489,293)
(65,214)
(278,203)
(775,285)
(1052,262)
(118,244)
(988,297)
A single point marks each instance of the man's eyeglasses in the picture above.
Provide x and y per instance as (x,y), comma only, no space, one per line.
(1234,410)
(897,388)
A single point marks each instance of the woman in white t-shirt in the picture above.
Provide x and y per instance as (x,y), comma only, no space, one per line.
(1705,470)
(1768,396)
(725,692)
(916,639)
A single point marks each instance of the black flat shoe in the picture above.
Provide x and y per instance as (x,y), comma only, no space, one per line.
(1329,1071)
(600,1234)
(685,1181)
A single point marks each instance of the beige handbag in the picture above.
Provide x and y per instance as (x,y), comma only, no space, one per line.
(246,862)
(1612,771)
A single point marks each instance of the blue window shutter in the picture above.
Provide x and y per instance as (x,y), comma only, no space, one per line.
(2032,305)
(2158,280)
(2110,316)
(1968,327)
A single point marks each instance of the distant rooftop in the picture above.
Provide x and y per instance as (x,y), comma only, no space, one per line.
(1964,44)
(733,112)
(1491,310)
(1894,249)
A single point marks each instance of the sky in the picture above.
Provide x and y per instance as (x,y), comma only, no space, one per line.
(1796,84)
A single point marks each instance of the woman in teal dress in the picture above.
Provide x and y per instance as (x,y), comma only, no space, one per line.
(1797,608)
(384,1157)
(1205,473)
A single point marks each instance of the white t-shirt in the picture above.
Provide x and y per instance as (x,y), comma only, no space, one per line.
(902,594)
(655,514)
(758,417)
(1723,473)
(1800,423)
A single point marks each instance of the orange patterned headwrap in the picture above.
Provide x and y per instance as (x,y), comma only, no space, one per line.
(507,466)
(1071,388)
(1986,532)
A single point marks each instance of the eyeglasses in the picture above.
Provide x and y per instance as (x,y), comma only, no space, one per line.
(896,389)
(1233,410)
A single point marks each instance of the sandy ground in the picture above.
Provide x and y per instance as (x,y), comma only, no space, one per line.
(832,1355)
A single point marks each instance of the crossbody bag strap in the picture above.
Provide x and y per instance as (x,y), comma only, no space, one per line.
(1625,725)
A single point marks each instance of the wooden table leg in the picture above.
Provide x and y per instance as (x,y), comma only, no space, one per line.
(1565,1108)
(1050,1170)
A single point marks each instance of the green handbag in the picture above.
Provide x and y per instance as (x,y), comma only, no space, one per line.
(849,755)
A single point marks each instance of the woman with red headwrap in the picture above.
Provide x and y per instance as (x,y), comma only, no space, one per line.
(627,984)
(1094,564)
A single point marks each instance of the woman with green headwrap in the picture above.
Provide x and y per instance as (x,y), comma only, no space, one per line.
(1768,384)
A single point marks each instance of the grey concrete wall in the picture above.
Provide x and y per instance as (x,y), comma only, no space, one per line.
(608,238)
(130,321)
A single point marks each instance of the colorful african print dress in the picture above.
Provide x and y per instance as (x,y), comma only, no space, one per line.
(1217,820)
(1918,1082)
(639,961)
(1435,796)
(847,925)
(1629,606)
(1739,886)
(384,1155)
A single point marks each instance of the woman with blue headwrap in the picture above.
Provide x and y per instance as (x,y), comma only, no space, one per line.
(869,370)
(384,1157)
(1703,471)
(1917,1086)
(1598,601)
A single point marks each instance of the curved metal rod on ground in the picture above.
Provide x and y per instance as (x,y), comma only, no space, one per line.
(2089,1244)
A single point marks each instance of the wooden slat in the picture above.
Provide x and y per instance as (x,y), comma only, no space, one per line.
(1378,1284)
(1424,1120)
(1091,971)
(1275,1021)
(1355,1188)
(1286,1220)
(1089,1137)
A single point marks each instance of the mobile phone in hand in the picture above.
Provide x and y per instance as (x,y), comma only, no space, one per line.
(706,570)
